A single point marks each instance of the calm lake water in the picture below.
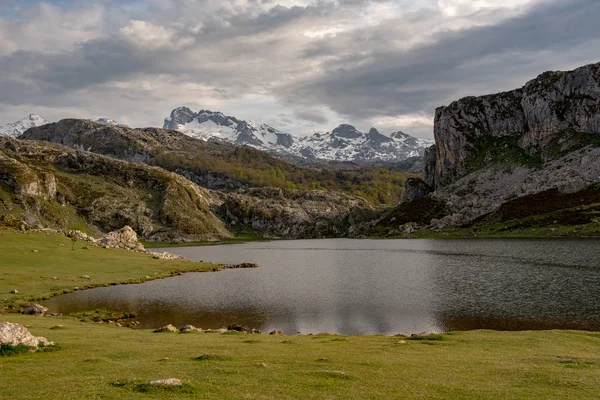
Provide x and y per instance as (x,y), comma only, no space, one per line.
(372,287)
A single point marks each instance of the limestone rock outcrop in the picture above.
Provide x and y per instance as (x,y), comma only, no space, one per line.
(492,149)
(17,335)
(124,238)
(551,115)
(293,214)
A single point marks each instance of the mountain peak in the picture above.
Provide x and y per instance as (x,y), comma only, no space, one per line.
(344,143)
(16,129)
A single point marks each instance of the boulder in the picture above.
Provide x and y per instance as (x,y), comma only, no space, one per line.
(124,238)
(189,328)
(166,382)
(165,256)
(276,332)
(166,328)
(17,335)
(35,309)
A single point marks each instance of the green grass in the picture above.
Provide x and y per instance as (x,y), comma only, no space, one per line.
(32,274)
(94,360)
(103,361)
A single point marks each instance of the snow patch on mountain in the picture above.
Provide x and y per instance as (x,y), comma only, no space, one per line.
(344,143)
(16,129)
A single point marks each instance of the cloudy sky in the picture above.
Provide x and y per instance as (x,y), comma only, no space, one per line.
(299,65)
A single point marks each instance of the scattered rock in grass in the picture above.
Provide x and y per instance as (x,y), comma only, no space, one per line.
(85,248)
(85,276)
(401,342)
(61,245)
(166,382)
(35,309)
(34,251)
(165,256)
(336,374)
(58,327)
(322,359)
(54,278)
(261,365)
(166,328)
(18,335)
(189,328)
(14,291)
(276,332)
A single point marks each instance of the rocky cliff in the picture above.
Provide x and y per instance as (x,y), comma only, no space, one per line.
(493,149)
(550,116)
(297,214)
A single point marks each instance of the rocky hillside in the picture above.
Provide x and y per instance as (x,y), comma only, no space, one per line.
(48,185)
(343,144)
(16,129)
(297,214)
(53,186)
(219,165)
(494,149)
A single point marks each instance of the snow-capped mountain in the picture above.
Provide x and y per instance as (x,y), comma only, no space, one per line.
(211,125)
(106,121)
(344,143)
(16,129)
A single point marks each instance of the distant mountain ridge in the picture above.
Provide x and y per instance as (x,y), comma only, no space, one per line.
(345,143)
(16,129)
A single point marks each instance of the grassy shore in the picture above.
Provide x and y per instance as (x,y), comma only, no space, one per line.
(42,265)
(109,362)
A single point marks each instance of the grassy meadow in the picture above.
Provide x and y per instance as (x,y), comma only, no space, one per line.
(102,361)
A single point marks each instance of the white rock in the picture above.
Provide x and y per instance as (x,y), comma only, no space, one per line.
(15,335)
(166,382)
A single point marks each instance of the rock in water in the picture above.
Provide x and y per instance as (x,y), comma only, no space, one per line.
(35,309)
(16,335)
(124,238)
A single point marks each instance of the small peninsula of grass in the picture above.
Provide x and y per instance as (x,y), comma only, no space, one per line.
(96,360)
(42,265)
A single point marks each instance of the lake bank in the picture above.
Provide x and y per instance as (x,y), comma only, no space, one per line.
(92,357)
(476,364)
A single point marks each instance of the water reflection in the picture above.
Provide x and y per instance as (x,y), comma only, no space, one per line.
(372,287)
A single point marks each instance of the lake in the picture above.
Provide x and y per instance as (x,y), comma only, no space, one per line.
(349,287)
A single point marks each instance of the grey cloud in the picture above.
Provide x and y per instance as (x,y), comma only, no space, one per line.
(312,116)
(419,79)
(360,73)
